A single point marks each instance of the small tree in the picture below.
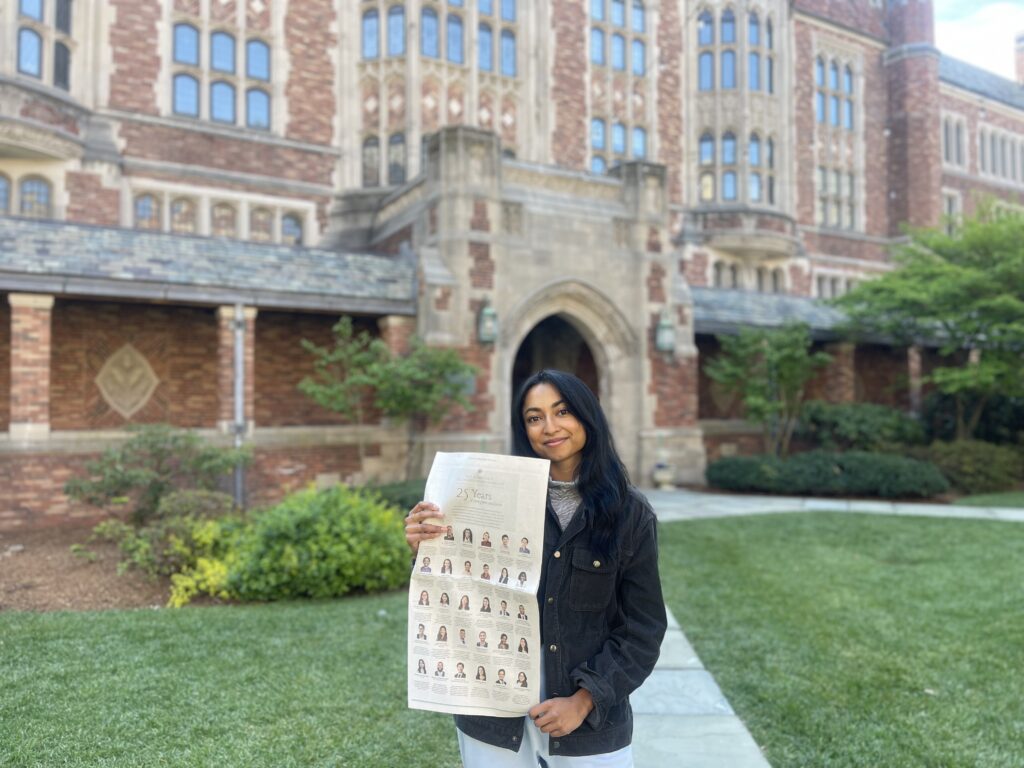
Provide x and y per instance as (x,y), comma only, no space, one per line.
(155,461)
(768,370)
(359,373)
(965,293)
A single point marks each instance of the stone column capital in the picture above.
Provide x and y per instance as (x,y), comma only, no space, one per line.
(31,300)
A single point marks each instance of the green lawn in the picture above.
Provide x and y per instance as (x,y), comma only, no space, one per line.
(298,684)
(860,640)
(1008,499)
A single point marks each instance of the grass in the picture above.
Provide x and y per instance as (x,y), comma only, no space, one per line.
(1007,499)
(291,684)
(859,640)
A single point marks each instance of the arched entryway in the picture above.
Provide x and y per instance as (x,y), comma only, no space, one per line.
(555,343)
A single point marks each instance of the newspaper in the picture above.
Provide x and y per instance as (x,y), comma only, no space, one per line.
(474,635)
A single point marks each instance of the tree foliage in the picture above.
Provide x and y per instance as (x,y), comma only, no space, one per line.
(769,370)
(963,293)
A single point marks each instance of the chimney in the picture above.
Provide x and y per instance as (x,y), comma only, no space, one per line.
(1020,59)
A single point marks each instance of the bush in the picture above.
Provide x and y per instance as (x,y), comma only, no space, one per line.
(1002,421)
(973,466)
(403,496)
(857,426)
(824,473)
(319,545)
(156,460)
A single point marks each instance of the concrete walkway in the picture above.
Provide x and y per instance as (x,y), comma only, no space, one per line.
(682,720)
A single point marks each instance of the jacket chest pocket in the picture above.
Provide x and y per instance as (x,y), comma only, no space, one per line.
(591,582)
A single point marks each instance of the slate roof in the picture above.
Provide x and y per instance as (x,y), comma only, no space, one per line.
(83,260)
(718,310)
(981,81)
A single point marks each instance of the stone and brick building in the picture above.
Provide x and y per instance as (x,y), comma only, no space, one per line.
(189,188)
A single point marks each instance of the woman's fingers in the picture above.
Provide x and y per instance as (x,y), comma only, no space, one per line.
(416,530)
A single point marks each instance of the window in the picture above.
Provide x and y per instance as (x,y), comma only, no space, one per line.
(5,194)
(951,212)
(257,109)
(147,212)
(638,21)
(778,281)
(754,151)
(222,52)
(223,220)
(833,110)
(754,71)
(261,225)
(728,69)
(597,134)
(729,149)
(833,76)
(596,46)
(371,161)
(291,229)
(508,10)
(639,58)
(597,9)
(598,164)
(33,9)
(753,30)
(222,102)
(455,39)
(30,52)
(619,139)
(848,115)
(754,187)
(429,39)
(729,185)
(371,35)
(396,30)
(639,143)
(61,66)
(619,13)
(768,36)
(769,74)
(485,48)
(728,27)
(618,52)
(508,53)
(396,159)
(706,76)
(186,95)
(819,107)
(706,29)
(707,187)
(186,44)
(257,60)
(707,149)
(719,272)
(183,216)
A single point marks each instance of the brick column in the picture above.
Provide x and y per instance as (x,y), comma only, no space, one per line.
(397,332)
(840,382)
(226,367)
(30,365)
(914,376)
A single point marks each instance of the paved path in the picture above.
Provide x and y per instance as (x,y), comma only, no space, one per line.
(682,720)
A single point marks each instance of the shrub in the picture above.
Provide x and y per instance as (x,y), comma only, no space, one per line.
(403,495)
(319,545)
(824,473)
(973,466)
(156,460)
(1001,422)
(857,426)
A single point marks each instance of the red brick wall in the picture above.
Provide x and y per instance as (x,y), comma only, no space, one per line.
(695,269)
(89,202)
(461,420)
(862,16)
(743,444)
(46,112)
(670,108)
(673,384)
(31,338)
(275,473)
(179,343)
(714,402)
(281,363)
(311,79)
(882,375)
(570,135)
(136,55)
(5,363)
(33,495)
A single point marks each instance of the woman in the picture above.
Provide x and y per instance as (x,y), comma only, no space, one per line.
(503,642)
(481,674)
(467,536)
(521,680)
(424,598)
(485,607)
(421,668)
(446,566)
(524,647)
(442,634)
(603,612)
(464,603)
(444,600)
(503,578)
(485,540)
(521,583)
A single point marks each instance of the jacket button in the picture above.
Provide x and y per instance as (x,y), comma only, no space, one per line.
(553,648)
(597,563)
(555,744)
(557,553)
(551,601)
(515,739)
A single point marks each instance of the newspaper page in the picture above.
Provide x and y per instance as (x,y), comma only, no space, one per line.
(474,635)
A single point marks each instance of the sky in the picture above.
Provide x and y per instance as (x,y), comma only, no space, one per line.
(980,32)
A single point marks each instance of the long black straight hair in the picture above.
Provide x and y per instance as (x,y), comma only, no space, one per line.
(601,477)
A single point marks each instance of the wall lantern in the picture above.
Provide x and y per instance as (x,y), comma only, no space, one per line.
(665,335)
(487,325)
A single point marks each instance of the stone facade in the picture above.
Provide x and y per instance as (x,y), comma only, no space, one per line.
(567,165)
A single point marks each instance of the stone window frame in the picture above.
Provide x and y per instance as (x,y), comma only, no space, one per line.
(835,100)
(831,283)
(728,274)
(242,83)
(205,198)
(1000,155)
(626,32)
(955,146)
(952,210)
(54,42)
(771,280)
(711,181)
(17,171)
(46,184)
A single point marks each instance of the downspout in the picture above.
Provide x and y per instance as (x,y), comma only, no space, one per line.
(239,425)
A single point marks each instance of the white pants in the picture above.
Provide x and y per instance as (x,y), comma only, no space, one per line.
(533,753)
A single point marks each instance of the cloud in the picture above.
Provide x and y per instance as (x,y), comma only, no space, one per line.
(980,33)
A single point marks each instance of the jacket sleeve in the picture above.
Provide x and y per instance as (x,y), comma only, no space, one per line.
(632,648)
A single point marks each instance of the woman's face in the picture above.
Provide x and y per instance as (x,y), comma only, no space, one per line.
(553,431)
(424,596)
(504,573)
(487,603)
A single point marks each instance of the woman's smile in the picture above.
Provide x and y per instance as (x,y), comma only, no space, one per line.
(554,432)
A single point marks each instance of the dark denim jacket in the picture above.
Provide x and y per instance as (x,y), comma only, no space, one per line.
(601,629)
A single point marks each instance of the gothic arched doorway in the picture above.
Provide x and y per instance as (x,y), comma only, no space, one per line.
(555,343)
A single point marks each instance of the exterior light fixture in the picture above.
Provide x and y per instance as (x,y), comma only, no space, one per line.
(487,325)
(665,335)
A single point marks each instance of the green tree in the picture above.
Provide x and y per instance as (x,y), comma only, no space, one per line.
(768,369)
(359,374)
(964,293)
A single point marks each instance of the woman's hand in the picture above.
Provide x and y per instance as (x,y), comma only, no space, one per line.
(416,530)
(563,715)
